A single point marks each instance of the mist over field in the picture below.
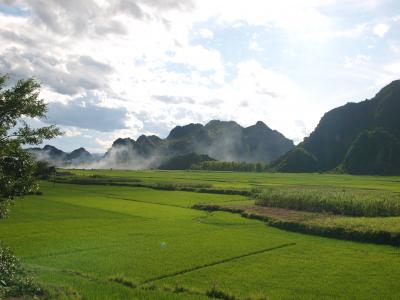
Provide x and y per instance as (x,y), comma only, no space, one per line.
(220,140)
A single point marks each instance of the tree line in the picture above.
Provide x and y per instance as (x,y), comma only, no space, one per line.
(230,166)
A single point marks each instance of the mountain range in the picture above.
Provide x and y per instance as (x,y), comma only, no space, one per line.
(221,140)
(60,158)
(356,138)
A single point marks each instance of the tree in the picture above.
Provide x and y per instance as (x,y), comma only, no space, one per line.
(43,170)
(17,167)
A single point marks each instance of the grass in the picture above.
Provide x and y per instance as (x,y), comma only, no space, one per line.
(240,180)
(199,187)
(117,242)
(370,230)
(389,225)
(352,202)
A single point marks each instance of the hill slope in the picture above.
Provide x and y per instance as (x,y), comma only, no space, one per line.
(350,129)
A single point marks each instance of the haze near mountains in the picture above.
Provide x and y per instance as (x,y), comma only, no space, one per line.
(222,140)
(357,138)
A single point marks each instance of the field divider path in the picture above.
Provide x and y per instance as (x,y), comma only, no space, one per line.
(215,263)
(114,196)
(146,202)
(66,252)
(36,267)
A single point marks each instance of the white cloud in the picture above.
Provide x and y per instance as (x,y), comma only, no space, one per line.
(359,59)
(300,17)
(71,131)
(380,29)
(253,45)
(198,57)
(392,72)
(353,32)
(273,98)
(394,47)
(396,18)
(137,58)
(393,67)
(206,33)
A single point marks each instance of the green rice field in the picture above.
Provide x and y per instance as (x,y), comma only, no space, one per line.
(130,242)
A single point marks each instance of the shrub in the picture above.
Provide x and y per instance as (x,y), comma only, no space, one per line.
(61,293)
(96,180)
(172,186)
(218,294)
(14,280)
(230,166)
(4,204)
(43,170)
(124,281)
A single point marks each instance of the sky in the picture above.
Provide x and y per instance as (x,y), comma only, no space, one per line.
(120,68)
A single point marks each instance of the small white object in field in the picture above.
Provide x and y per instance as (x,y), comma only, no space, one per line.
(163,245)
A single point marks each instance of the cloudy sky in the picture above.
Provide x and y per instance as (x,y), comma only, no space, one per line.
(122,68)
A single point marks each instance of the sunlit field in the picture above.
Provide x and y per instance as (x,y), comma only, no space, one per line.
(105,241)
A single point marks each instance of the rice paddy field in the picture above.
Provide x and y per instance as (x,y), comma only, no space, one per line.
(101,240)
